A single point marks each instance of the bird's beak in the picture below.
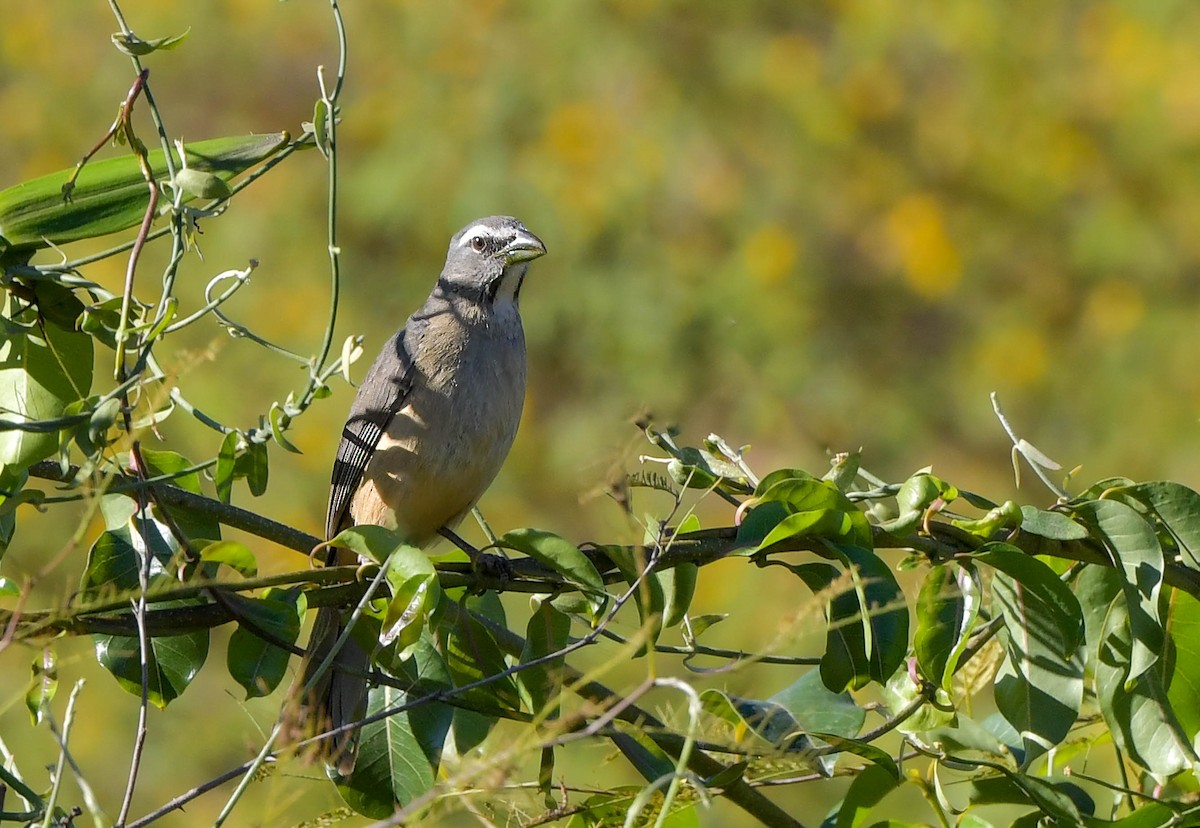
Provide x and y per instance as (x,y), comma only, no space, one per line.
(524,248)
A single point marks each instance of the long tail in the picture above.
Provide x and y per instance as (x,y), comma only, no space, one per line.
(338,697)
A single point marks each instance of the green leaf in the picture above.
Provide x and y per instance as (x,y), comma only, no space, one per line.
(43,686)
(416,593)
(816,508)
(816,708)
(947,608)
(770,722)
(647,758)
(134,46)
(867,790)
(43,369)
(196,525)
(648,597)
(278,419)
(172,662)
(254,663)
(1178,507)
(913,500)
(563,557)
(1057,797)
(679,582)
(900,691)
(231,554)
(397,757)
(12,494)
(1052,525)
(548,631)
(223,477)
(845,662)
(201,184)
(1135,551)
(110,195)
(1041,688)
(882,610)
(1183,691)
(252,465)
(112,566)
(8,587)
(1137,712)
(374,543)
(472,654)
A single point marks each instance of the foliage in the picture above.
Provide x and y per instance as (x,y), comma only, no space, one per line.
(1075,622)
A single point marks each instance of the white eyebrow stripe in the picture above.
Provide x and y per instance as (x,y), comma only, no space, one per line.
(473,231)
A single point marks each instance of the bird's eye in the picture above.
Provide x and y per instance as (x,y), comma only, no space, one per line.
(477,244)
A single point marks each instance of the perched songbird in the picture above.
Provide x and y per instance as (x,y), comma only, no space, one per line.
(427,433)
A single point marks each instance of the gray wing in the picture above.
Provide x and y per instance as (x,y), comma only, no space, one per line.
(381,395)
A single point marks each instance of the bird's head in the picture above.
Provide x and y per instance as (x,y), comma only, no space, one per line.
(488,259)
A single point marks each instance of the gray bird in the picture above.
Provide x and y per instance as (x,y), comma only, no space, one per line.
(428,430)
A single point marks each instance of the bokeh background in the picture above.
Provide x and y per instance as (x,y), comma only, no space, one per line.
(807,226)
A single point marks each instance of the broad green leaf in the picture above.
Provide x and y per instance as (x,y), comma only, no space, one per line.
(416,594)
(547,632)
(1178,507)
(12,494)
(900,691)
(679,582)
(1138,712)
(253,465)
(195,525)
(1040,688)
(563,557)
(397,757)
(254,663)
(114,560)
(8,587)
(111,195)
(43,369)
(231,554)
(1183,691)
(472,654)
(172,662)
(1052,525)
(864,750)
(112,568)
(816,708)
(758,523)
(1135,551)
(1150,815)
(223,477)
(647,758)
(868,789)
(947,607)
(965,734)
(766,720)
(845,662)
(816,508)
(374,543)
(882,610)
(917,494)
(1057,797)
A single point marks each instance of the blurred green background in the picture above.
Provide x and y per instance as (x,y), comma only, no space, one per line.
(807,226)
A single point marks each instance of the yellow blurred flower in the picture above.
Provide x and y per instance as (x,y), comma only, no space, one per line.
(1013,356)
(1114,308)
(916,231)
(770,253)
